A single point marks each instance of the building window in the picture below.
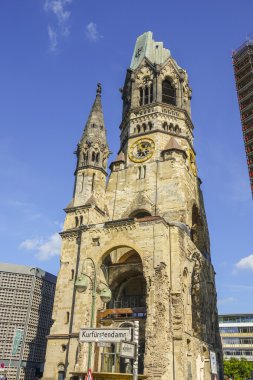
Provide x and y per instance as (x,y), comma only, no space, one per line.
(141,96)
(85,158)
(168,92)
(93,182)
(66,320)
(141,172)
(146,92)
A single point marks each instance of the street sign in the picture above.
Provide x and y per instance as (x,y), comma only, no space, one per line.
(90,335)
(127,350)
(213,363)
(89,375)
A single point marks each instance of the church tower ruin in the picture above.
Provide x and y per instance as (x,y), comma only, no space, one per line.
(142,234)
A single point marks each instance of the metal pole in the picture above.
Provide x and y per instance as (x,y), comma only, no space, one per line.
(93,304)
(136,341)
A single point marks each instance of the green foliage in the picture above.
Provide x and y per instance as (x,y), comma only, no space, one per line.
(237,369)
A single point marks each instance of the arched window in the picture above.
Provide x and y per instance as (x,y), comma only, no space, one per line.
(151,93)
(97,158)
(146,91)
(140,214)
(93,157)
(141,172)
(168,93)
(129,291)
(85,158)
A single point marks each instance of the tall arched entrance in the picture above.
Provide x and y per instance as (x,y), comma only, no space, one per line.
(123,271)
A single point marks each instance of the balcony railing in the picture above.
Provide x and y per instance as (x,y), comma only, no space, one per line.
(127,302)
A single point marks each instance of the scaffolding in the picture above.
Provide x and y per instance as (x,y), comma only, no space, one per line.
(243,71)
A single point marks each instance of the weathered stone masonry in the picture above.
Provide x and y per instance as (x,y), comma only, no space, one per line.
(145,230)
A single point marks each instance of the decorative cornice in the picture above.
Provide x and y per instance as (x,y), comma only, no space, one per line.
(171,108)
(70,234)
(159,130)
(83,207)
(90,167)
(119,222)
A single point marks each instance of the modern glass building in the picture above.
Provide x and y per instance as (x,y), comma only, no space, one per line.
(236,332)
(243,70)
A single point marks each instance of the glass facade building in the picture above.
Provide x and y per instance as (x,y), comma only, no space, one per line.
(236,332)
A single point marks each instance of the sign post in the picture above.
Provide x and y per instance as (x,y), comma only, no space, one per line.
(89,375)
(136,341)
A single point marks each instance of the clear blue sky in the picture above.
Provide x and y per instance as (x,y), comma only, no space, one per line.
(53,52)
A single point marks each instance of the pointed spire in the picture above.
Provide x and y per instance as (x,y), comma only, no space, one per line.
(95,124)
(92,148)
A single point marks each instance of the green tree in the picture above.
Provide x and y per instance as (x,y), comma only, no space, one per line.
(238,369)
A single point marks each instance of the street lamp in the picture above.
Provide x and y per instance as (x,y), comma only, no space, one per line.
(105,293)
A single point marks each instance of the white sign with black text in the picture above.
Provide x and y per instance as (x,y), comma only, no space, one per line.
(213,363)
(90,335)
(127,350)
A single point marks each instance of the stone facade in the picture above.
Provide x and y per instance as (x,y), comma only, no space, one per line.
(143,233)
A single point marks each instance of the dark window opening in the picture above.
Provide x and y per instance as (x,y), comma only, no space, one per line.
(151,94)
(140,214)
(141,96)
(146,100)
(168,93)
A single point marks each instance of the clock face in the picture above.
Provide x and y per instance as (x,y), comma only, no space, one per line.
(141,150)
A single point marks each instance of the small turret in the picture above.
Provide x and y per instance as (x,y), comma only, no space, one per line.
(92,154)
(92,149)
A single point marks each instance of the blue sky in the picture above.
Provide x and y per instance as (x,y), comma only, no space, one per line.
(53,52)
